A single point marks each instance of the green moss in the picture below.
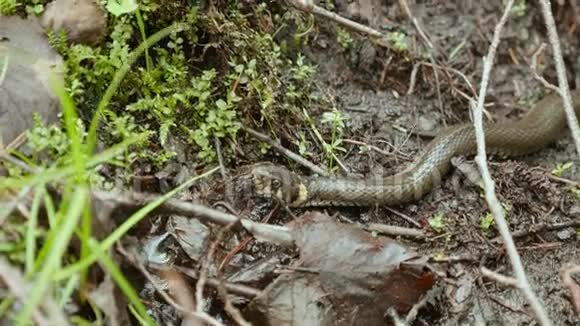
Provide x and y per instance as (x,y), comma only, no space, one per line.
(201,84)
(8,7)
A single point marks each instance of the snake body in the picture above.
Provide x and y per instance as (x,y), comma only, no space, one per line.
(539,127)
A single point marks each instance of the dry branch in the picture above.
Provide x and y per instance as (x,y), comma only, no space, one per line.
(308,6)
(566,273)
(561,71)
(267,232)
(289,154)
(490,196)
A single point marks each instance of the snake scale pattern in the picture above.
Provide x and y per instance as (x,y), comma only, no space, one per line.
(540,126)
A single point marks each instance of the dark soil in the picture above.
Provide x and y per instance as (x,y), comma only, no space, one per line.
(370,84)
(374,99)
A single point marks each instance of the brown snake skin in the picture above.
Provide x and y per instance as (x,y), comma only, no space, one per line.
(539,127)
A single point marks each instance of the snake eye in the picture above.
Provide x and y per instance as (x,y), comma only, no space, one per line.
(276,184)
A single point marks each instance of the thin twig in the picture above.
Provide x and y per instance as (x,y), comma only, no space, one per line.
(542,227)
(404,216)
(455,71)
(17,142)
(563,180)
(218,149)
(134,201)
(20,164)
(369,146)
(203,275)
(509,306)
(534,66)
(499,278)
(47,313)
(407,10)
(412,314)
(12,204)
(132,257)
(183,296)
(395,316)
(238,289)
(225,177)
(561,72)
(308,6)
(490,196)
(289,154)
(413,80)
(438,87)
(566,273)
(396,230)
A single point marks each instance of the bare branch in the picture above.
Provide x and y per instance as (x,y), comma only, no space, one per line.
(561,71)
(566,273)
(407,10)
(133,201)
(289,154)
(48,313)
(490,196)
(499,278)
(396,230)
(308,6)
(184,309)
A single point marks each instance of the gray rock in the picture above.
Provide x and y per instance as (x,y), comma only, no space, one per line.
(26,64)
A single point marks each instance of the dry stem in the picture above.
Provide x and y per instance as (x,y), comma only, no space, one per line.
(561,71)
(490,196)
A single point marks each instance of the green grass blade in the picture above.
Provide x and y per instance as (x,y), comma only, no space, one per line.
(123,228)
(153,39)
(57,247)
(60,173)
(122,283)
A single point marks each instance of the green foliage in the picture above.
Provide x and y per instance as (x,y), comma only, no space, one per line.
(398,41)
(50,139)
(519,8)
(561,168)
(71,217)
(302,71)
(8,7)
(344,38)
(169,99)
(576,192)
(336,120)
(119,7)
(487,221)
(437,222)
(34,8)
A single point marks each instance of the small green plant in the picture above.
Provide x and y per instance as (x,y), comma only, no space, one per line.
(561,168)
(8,7)
(437,222)
(440,256)
(487,221)
(49,139)
(35,8)
(336,121)
(134,110)
(519,8)
(507,207)
(302,71)
(344,38)
(398,41)
(576,192)
(328,4)
(120,7)
(302,145)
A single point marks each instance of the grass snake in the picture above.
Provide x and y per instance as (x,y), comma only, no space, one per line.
(539,127)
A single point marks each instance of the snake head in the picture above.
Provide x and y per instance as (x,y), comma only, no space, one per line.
(275,182)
